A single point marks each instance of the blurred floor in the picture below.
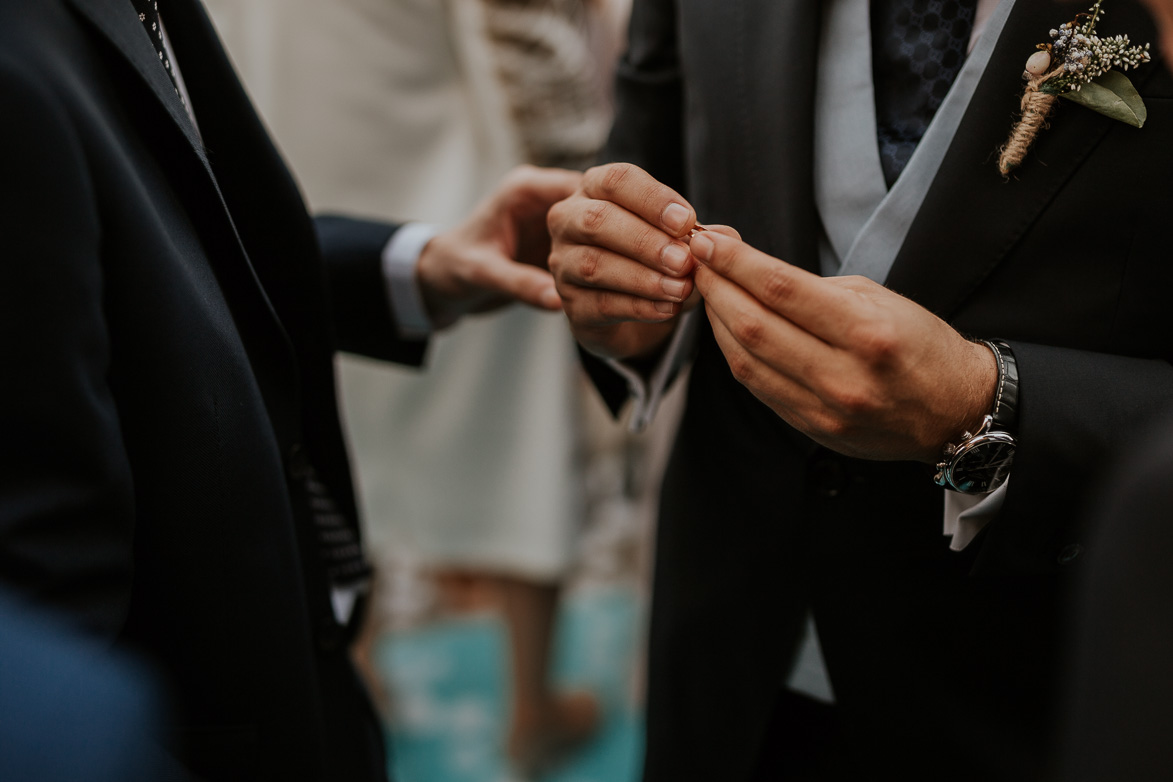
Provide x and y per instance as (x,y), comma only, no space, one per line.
(449,703)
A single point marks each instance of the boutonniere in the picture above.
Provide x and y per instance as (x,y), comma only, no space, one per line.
(1079,66)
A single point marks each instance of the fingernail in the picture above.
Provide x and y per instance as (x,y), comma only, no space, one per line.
(702,246)
(674,288)
(675,217)
(666,307)
(674,257)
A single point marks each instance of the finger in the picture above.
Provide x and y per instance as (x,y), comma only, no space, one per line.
(538,188)
(600,269)
(604,224)
(608,308)
(791,400)
(828,311)
(499,275)
(722,229)
(788,349)
(638,191)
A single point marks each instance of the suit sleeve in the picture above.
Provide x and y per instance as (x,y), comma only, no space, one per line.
(1077,412)
(66,493)
(361,313)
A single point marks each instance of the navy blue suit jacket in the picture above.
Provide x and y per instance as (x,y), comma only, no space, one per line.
(169,315)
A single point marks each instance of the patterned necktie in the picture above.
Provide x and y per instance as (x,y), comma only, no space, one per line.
(337,541)
(918,48)
(148,14)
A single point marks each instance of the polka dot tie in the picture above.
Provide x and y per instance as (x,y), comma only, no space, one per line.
(148,15)
(918,48)
(337,541)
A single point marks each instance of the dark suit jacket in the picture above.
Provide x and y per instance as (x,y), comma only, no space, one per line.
(1119,714)
(167,330)
(941,661)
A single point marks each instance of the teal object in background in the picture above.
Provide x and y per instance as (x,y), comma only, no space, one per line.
(449,691)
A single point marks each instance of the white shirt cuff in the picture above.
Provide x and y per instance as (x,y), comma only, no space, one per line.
(647,393)
(400,257)
(967,514)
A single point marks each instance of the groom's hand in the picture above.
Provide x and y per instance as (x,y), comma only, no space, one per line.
(858,368)
(620,262)
(499,254)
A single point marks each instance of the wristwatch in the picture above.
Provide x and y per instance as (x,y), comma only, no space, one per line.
(981,462)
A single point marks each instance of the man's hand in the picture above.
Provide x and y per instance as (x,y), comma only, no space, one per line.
(621,266)
(499,254)
(858,368)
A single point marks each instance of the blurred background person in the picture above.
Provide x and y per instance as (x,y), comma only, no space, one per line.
(479,474)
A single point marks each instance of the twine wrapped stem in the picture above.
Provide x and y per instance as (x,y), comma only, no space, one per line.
(1035,108)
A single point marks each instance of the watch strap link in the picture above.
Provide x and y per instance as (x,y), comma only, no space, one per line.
(1005,413)
(980,462)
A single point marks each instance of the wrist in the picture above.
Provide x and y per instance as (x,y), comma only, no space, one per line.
(983,387)
(979,461)
(438,291)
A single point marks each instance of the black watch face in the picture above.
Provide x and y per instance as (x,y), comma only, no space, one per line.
(984,466)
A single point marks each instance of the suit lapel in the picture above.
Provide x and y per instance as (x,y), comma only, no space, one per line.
(261,330)
(116,20)
(971,218)
(772,60)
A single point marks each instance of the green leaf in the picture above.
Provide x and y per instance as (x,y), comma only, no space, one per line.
(1112,95)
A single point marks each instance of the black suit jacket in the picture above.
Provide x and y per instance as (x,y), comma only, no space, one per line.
(941,661)
(1120,713)
(167,329)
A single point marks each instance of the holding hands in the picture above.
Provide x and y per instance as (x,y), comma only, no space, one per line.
(856,367)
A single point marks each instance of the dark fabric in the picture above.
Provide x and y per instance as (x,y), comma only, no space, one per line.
(939,660)
(918,48)
(169,326)
(148,15)
(355,275)
(806,743)
(1118,715)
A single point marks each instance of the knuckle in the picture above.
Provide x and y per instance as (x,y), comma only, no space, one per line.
(594,217)
(614,177)
(590,265)
(606,302)
(856,400)
(742,367)
(833,426)
(645,244)
(749,332)
(778,286)
(876,341)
